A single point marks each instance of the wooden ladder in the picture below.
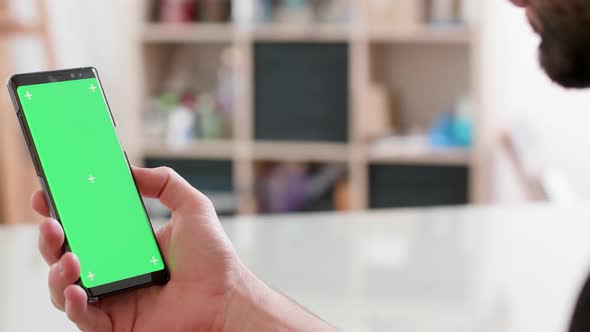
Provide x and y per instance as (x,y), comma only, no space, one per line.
(17,176)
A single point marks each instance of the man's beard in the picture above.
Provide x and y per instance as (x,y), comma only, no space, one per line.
(565,52)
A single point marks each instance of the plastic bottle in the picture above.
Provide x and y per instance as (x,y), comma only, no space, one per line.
(181,122)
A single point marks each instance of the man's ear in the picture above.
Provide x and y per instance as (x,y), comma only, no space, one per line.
(520,3)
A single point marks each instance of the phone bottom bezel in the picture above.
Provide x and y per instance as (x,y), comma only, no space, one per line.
(154,278)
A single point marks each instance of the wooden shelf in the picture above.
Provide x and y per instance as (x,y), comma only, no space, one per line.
(190,32)
(196,150)
(303,32)
(301,152)
(227,32)
(421,155)
(268,151)
(421,34)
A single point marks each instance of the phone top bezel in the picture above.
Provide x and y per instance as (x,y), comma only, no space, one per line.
(26,79)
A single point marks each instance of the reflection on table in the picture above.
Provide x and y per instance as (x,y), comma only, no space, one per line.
(496,269)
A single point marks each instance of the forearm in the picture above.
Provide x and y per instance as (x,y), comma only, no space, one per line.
(256,307)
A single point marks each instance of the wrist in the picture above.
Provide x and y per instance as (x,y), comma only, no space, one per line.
(253,306)
(239,304)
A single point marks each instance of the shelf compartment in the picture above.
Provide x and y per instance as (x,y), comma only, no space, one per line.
(401,186)
(301,92)
(300,187)
(409,71)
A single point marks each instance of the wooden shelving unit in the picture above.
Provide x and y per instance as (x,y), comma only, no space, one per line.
(366,44)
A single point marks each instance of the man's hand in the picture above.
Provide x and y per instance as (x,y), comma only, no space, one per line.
(209,288)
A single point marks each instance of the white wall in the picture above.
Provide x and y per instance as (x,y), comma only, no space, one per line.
(101,34)
(514,89)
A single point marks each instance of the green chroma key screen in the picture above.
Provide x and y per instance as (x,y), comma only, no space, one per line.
(87,173)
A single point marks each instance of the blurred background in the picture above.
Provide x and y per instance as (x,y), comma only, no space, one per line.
(280,106)
(277,109)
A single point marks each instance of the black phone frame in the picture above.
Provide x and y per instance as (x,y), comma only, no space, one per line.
(160,277)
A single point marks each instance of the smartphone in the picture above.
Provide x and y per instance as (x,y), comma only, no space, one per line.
(87,180)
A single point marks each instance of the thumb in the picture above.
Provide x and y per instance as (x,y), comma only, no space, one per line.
(170,188)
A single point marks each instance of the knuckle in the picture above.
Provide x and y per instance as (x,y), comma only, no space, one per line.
(201,201)
(71,316)
(204,199)
(46,253)
(196,199)
(57,305)
(41,244)
(52,275)
(54,294)
(34,197)
(167,170)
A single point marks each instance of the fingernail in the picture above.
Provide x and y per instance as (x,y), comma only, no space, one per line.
(60,268)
